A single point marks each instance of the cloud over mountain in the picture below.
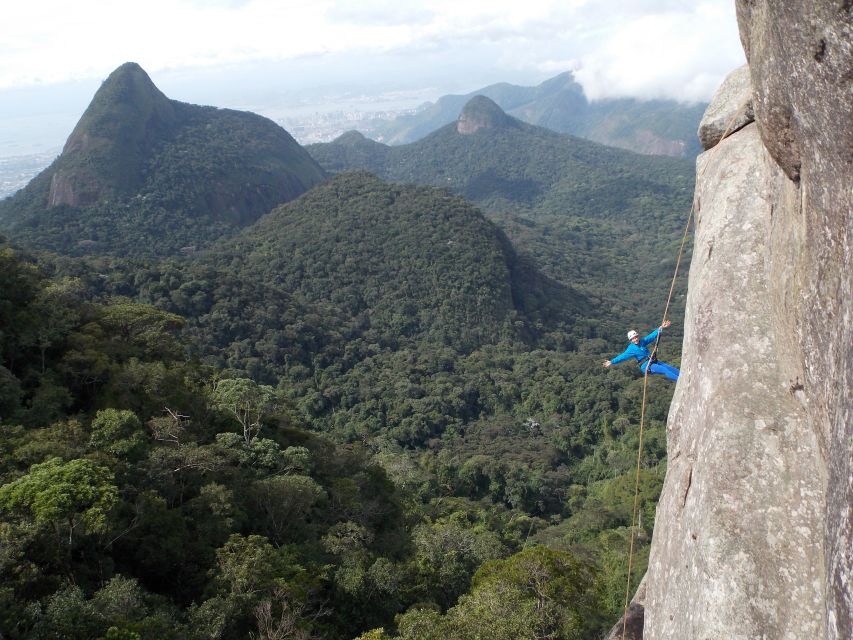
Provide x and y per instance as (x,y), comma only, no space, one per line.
(653,48)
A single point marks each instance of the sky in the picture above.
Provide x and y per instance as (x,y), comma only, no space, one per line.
(245,53)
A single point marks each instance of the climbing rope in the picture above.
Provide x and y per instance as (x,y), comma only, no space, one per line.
(725,135)
(643,422)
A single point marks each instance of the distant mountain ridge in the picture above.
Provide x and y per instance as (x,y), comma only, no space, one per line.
(505,164)
(141,173)
(658,127)
(588,213)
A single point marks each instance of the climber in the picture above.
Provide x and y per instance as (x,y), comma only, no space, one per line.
(638,349)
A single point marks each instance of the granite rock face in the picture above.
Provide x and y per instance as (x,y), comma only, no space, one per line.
(481,112)
(737,550)
(801,61)
(630,627)
(730,110)
(754,530)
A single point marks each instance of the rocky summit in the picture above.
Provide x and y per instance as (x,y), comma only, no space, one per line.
(106,151)
(144,174)
(481,113)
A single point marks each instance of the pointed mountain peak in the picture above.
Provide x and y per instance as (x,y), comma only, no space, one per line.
(107,148)
(481,113)
(129,70)
(128,91)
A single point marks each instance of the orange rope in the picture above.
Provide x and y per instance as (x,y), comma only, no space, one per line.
(725,135)
(642,425)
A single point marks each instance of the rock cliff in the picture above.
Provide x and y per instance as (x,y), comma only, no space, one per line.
(105,154)
(481,113)
(754,530)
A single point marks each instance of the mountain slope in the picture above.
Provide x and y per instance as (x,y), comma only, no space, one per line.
(142,174)
(501,162)
(590,215)
(661,127)
(360,262)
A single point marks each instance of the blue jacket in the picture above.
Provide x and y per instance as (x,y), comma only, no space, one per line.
(638,351)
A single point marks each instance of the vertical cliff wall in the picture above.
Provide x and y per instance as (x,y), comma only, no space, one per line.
(754,532)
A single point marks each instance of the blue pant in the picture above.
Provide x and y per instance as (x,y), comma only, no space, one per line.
(662,369)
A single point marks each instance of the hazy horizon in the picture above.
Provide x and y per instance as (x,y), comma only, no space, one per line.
(296,58)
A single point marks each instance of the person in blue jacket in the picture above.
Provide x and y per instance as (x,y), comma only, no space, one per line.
(638,349)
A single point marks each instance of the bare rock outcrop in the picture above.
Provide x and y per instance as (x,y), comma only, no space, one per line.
(801,62)
(481,112)
(730,110)
(737,551)
(630,626)
(754,530)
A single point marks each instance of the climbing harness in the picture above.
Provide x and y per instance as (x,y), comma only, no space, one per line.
(653,358)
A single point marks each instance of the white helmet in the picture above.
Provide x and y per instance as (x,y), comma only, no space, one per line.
(632,334)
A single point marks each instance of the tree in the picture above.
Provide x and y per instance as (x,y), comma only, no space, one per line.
(247,401)
(283,503)
(117,432)
(140,330)
(538,593)
(250,565)
(64,495)
(281,618)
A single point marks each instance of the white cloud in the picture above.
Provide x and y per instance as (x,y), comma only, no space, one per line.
(54,41)
(681,53)
(647,48)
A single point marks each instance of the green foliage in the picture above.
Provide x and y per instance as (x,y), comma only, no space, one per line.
(286,502)
(145,175)
(374,634)
(120,610)
(246,401)
(114,633)
(117,432)
(598,219)
(557,588)
(296,295)
(538,593)
(249,564)
(464,414)
(64,495)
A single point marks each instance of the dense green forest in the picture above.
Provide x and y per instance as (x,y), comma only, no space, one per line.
(146,494)
(305,432)
(604,221)
(378,411)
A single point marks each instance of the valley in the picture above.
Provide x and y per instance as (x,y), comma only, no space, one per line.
(354,384)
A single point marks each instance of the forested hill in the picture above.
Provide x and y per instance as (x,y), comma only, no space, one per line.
(591,216)
(145,175)
(505,164)
(386,480)
(366,409)
(353,267)
(663,127)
